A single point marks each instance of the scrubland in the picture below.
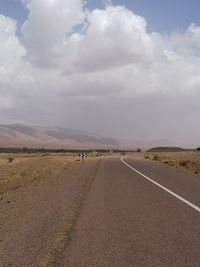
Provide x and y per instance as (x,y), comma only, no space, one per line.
(188,160)
(19,169)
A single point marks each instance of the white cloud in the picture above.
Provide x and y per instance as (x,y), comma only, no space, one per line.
(186,43)
(14,71)
(92,78)
(11,51)
(48,23)
(114,37)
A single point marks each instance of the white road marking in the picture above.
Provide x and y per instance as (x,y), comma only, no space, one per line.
(164,188)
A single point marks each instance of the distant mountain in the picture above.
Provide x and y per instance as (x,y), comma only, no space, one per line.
(19,135)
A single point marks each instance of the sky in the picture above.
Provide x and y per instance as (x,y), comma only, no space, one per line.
(126,69)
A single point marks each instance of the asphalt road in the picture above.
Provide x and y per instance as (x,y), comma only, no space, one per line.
(120,219)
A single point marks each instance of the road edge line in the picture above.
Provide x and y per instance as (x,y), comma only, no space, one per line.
(187,202)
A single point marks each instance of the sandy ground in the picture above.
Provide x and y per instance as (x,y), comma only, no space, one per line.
(186,160)
(28,167)
(36,217)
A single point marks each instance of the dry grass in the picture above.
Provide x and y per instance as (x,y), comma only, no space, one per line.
(28,167)
(189,160)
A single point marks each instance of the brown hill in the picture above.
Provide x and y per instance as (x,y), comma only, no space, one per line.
(166,149)
(19,135)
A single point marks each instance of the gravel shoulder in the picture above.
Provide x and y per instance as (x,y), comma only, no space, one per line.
(36,218)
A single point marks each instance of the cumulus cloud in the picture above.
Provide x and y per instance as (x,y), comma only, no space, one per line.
(48,23)
(15,77)
(114,37)
(9,44)
(186,43)
(98,70)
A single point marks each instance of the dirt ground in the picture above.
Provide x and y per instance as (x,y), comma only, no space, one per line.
(19,169)
(25,168)
(189,160)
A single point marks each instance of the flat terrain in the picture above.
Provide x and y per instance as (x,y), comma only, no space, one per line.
(189,160)
(102,213)
(36,217)
(24,168)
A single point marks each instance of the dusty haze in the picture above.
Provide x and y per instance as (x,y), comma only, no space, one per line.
(100,71)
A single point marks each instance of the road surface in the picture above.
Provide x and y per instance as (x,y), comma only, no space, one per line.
(110,215)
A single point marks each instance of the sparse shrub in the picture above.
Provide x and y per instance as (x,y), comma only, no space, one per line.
(10,159)
(156,157)
(138,150)
(46,154)
(168,162)
(146,156)
(184,163)
(198,148)
(196,172)
(23,173)
(123,153)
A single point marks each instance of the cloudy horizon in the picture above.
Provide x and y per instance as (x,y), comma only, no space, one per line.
(100,68)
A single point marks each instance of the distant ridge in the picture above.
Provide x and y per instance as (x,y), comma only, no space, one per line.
(167,149)
(20,135)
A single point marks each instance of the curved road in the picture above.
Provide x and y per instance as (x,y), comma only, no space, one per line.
(123,219)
